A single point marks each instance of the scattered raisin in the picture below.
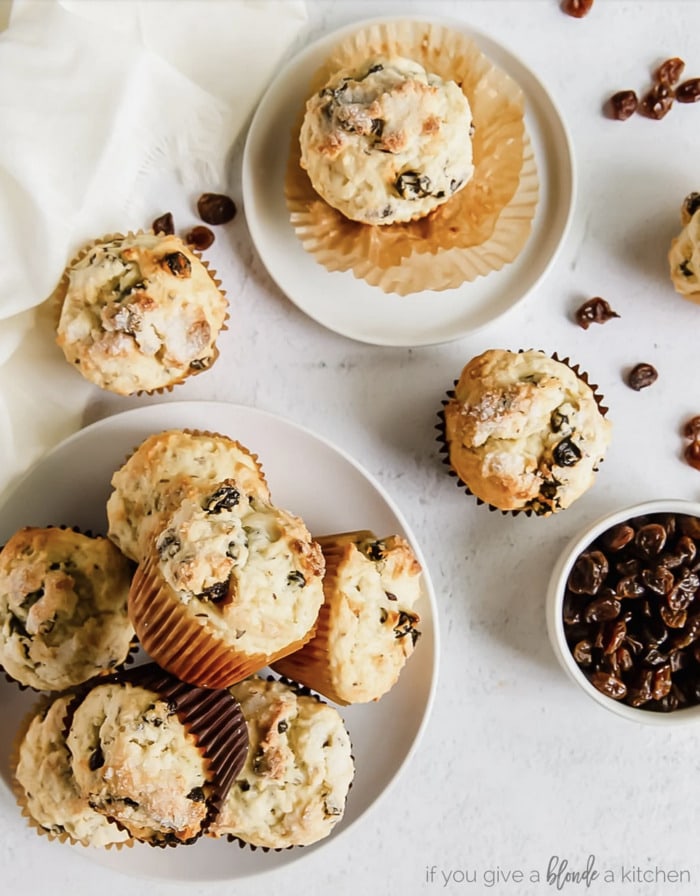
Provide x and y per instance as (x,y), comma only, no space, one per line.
(577,8)
(216,208)
(657,102)
(688,91)
(691,430)
(692,454)
(199,237)
(594,311)
(641,376)
(164,224)
(670,71)
(622,105)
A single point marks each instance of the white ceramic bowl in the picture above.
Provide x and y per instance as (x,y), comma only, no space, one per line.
(555,623)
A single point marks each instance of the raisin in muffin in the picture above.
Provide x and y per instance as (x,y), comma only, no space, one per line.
(139,313)
(387,141)
(155,755)
(367,627)
(524,431)
(231,584)
(165,468)
(293,787)
(63,607)
(684,255)
(45,785)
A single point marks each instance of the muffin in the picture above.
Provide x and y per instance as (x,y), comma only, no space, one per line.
(155,755)
(165,468)
(524,431)
(63,607)
(293,788)
(45,785)
(139,313)
(684,255)
(387,141)
(367,626)
(231,584)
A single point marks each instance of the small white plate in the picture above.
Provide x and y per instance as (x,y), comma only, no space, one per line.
(308,476)
(350,306)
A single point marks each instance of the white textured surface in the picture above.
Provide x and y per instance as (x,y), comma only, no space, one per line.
(518,765)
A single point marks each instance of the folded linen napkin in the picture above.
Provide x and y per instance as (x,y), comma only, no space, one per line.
(102,105)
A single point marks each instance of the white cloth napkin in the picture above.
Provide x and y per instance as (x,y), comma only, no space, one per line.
(99,103)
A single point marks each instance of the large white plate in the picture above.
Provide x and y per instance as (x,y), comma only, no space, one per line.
(350,306)
(308,476)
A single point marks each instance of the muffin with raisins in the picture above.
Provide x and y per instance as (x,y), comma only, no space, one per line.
(139,313)
(386,141)
(684,255)
(165,468)
(230,584)
(293,787)
(154,755)
(45,785)
(63,607)
(524,431)
(367,627)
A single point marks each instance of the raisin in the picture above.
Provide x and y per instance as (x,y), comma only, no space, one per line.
(616,538)
(692,454)
(577,8)
(412,185)
(609,685)
(226,497)
(670,71)
(641,376)
(622,105)
(296,578)
(164,224)
(199,237)
(196,795)
(657,102)
(566,453)
(688,91)
(97,759)
(650,539)
(216,208)
(602,609)
(588,573)
(594,311)
(691,204)
(216,593)
(178,264)
(406,626)
(691,430)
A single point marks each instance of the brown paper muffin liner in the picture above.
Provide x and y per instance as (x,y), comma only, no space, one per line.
(20,794)
(444,449)
(128,659)
(502,159)
(300,690)
(57,297)
(181,644)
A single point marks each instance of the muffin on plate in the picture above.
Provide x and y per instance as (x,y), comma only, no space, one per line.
(367,626)
(524,431)
(231,583)
(684,255)
(293,787)
(387,141)
(139,313)
(155,755)
(165,468)
(63,607)
(45,786)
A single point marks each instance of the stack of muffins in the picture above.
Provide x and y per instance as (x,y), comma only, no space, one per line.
(216,582)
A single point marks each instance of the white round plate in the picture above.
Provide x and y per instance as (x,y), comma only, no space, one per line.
(308,476)
(350,306)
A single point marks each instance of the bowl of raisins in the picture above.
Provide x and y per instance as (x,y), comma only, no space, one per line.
(623,611)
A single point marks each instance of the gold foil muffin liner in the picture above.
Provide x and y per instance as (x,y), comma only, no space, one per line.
(473,223)
(19,792)
(181,644)
(444,449)
(57,297)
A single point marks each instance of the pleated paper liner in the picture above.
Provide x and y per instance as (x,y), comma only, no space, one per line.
(105,829)
(181,643)
(125,658)
(251,478)
(57,297)
(313,665)
(470,217)
(299,690)
(213,718)
(444,449)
